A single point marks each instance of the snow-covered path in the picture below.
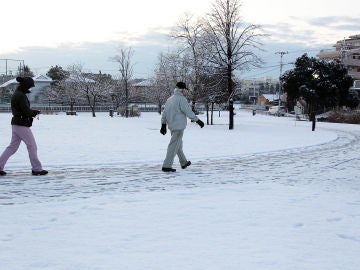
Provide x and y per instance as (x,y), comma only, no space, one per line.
(294,208)
(326,163)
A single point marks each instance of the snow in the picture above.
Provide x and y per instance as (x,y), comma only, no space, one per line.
(270,194)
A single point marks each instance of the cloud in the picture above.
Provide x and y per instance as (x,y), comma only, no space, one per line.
(336,22)
(93,56)
(296,35)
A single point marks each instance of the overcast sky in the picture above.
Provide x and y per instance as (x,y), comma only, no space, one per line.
(48,33)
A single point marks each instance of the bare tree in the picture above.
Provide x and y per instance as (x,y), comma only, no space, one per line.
(232,45)
(50,94)
(170,69)
(65,93)
(84,88)
(160,92)
(66,89)
(56,90)
(190,32)
(212,90)
(126,74)
(117,94)
(97,88)
(75,85)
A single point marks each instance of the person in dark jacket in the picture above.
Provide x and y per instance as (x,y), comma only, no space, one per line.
(175,114)
(21,122)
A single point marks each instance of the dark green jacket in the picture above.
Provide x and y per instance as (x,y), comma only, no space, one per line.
(20,107)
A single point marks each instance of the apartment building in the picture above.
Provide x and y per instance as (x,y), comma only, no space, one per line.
(348,52)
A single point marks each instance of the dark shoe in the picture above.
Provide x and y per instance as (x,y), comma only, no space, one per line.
(43,172)
(187,164)
(2,173)
(168,169)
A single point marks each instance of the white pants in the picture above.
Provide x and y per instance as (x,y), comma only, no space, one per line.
(175,147)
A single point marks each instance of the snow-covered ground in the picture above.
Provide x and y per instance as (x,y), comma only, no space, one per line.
(270,194)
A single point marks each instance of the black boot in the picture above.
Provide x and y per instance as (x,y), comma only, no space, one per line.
(43,172)
(168,169)
(187,164)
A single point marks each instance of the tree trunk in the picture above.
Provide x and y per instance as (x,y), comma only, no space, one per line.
(92,105)
(159,108)
(207,113)
(126,107)
(193,106)
(231,114)
(93,109)
(212,113)
(231,104)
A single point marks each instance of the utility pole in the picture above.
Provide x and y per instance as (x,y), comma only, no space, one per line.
(15,60)
(281,67)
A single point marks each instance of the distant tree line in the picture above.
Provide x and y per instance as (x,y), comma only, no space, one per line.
(74,86)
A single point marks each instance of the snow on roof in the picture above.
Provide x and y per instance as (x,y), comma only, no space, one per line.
(12,81)
(42,78)
(271,97)
(144,83)
(38,78)
(73,78)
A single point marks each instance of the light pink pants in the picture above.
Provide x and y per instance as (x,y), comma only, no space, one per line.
(21,133)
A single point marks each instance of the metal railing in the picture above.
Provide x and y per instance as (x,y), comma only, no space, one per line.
(4,108)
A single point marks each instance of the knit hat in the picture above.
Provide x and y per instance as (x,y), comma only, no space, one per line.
(181,85)
(26,82)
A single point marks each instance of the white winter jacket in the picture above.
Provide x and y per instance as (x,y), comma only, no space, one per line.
(176,110)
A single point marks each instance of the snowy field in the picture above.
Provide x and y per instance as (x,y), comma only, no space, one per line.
(270,194)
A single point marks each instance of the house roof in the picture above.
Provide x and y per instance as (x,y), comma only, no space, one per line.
(73,78)
(144,83)
(38,78)
(42,78)
(271,97)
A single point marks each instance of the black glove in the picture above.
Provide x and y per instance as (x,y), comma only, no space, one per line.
(35,113)
(200,123)
(163,129)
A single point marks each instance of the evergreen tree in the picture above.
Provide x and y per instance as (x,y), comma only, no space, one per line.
(323,84)
(25,71)
(57,73)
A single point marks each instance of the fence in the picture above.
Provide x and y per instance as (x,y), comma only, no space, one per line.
(54,108)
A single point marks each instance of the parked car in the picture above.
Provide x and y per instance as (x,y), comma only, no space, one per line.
(276,110)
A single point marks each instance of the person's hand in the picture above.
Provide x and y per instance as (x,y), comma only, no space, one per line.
(200,123)
(163,129)
(35,113)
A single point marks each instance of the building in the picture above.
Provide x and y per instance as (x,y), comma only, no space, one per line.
(269,99)
(41,83)
(348,52)
(251,90)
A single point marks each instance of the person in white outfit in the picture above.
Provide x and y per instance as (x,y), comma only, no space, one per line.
(175,114)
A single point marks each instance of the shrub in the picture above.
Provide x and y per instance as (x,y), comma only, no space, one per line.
(342,116)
